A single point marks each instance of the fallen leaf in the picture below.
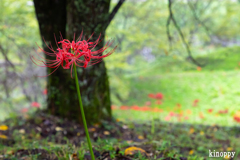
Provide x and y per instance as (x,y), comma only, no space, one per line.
(3,127)
(74,156)
(227,157)
(106,133)
(191,152)
(22,131)
(97,125)
(140,137)
(133,150)
(92,129)
(58,129)
(229,149)
(3,136)
(191,131)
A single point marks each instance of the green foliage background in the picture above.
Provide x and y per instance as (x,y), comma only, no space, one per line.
(139,25)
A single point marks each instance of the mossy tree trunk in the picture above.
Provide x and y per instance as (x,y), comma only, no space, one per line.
(71,17)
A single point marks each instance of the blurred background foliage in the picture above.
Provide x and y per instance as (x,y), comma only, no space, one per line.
(145,60)
(19,34)
(140,31)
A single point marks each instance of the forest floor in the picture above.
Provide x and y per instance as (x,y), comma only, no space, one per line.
(48,137)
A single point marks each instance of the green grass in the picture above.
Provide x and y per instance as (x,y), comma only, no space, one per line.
(217,86)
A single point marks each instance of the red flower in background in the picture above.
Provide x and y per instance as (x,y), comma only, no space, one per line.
(156,110)
(236,117)
(151,95)
(210,110)
(158,102)
(199,68)
(195,102)
(136,108)
(79,53)
(124,107)
(167,118)
(35,104)
(145,108)
(171,114)
(148,103)
(24,110)
(179,105)
(45,91)
(159,96)
(223,111)
(201,115)
(113,107)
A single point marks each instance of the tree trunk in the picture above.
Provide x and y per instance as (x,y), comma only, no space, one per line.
(89,16)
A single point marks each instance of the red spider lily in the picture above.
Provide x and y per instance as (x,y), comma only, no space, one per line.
(151,95)
(145,108)
(178,114)
(236,117)
(201,115)
(24,110)
(113,107)
(167,118)
(136,108)
(171,114)
(45,92)
(195,102)
(79,52)
(148,103)
(186,118)
(124,107)
(159,96)
(223,111)
(210,110)
(179,105)
(157,110)
(35,104)
(158,102)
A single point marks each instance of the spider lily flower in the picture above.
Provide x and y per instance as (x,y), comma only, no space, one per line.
(35,104)
(79,52)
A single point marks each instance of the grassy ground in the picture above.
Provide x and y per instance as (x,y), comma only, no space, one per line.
(215,86)
(47,137)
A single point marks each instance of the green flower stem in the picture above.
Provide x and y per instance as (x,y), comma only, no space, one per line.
(82,112)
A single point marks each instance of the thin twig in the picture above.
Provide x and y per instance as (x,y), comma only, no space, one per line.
(168,24)
(114,11)
(193,9)
(181,35)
